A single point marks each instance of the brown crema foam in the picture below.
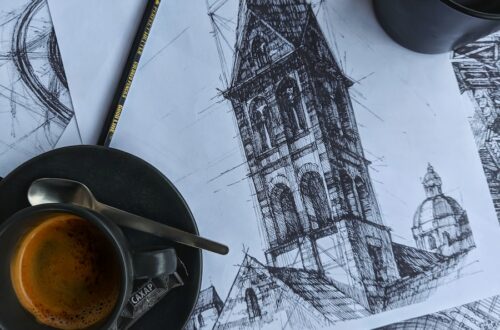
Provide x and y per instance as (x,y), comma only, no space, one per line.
(65,272)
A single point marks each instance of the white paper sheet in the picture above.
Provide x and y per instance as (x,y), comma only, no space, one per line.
(408,110)
(35,105)
(95,38)
(479,57)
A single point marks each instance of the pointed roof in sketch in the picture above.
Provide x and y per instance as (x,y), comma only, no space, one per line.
(412,261)
(302,298)
(296,291)
(280,17)
(286,22)
(287,17)
(320,292)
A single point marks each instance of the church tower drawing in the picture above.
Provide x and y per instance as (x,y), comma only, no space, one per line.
(317,204)
(329,257)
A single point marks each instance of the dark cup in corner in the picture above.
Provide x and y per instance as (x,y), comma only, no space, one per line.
(18,310)
(437,26)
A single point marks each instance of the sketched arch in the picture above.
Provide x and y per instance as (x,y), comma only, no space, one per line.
(280,178)
(261,122)
(286,218)
(315,197)
(20,57)
(259,50)
(292,111)
(308,167)
(348,192)
(364,198)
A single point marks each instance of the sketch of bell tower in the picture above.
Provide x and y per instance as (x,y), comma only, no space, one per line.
(318,207)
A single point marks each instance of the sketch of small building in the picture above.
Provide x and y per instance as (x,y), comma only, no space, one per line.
(265,296)
(206,311)
(329,255)
(440,224)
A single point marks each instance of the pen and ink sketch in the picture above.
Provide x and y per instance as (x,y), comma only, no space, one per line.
(266,139)
(477,69)
(329,255)
(35,105)
(481,315)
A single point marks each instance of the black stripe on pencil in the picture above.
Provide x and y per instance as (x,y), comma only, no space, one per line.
(128,73)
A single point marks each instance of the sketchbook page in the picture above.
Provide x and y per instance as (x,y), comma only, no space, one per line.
(95,37)
(479,315)
(35,105)
(339,167)
(71,135)
(478,59)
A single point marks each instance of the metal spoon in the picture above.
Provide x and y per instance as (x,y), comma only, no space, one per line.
(53,190)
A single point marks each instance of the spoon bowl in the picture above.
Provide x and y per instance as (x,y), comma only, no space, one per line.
(45,191)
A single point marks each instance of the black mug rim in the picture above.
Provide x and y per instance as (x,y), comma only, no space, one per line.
(122,252)
(472,12)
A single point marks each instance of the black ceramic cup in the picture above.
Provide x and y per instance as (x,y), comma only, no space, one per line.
(133,265)
(437,26)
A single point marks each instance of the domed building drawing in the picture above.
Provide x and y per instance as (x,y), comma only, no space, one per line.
(440,224)
(329,255)
(476,67)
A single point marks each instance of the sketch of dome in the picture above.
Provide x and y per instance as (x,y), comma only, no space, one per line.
(440,224)
(435,208)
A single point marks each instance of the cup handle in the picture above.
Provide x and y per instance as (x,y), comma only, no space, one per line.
(152,264)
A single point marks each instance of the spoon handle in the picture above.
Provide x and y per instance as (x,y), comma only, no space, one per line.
(132,221)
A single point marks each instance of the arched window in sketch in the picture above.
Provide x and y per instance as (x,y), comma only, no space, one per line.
(315,199)
(343,108)
(364,199)
(201,321)
(260,52)
(253,308)
(376,256)
(315,44)
(329,108)
(446,238)
(287,223)
(262,125)
(432,242)
(347,185)
(290,106)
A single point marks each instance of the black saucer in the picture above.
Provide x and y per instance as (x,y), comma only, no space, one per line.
(127,182)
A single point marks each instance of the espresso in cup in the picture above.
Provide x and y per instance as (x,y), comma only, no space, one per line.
(66,273)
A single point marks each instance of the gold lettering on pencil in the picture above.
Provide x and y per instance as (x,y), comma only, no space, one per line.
(133,70)
(147,30)
(116,118)
(130,78)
